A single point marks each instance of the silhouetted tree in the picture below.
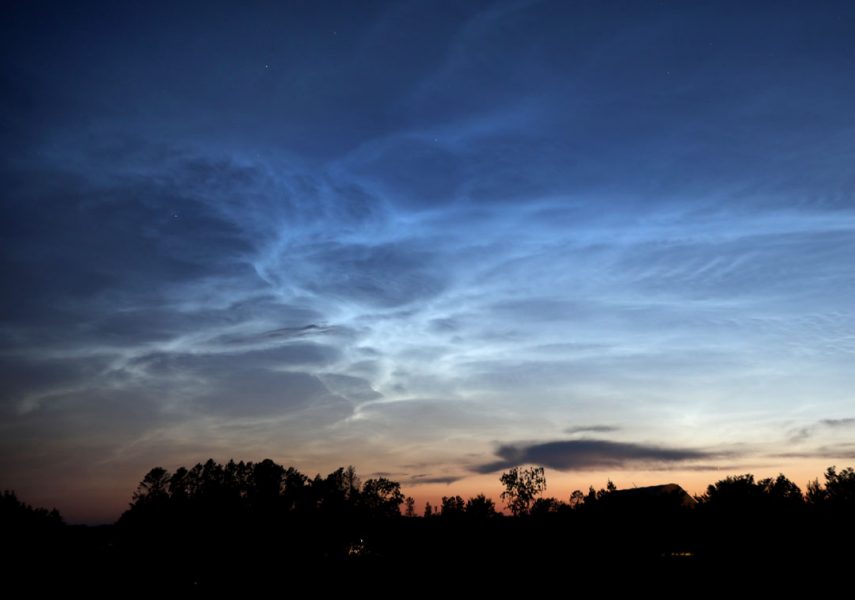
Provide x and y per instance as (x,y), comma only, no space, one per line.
(732,492)
(382,497)
(480,507)
(238,476)
(546,506)
(781,491)
(742,492)
(838,491)
(452,506)
(210,482)
(577,499)
(410,507)
(295,495)
(815,493)
(266,484)
(339,492)
(428,510)
(153,489)
(840,487)
(591,496)
(15,514)
(350,482)
(179,485)
(603,492)
(521,488)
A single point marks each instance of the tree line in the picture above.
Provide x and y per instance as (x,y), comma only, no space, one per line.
(264,488)
(267,487)
(239,524)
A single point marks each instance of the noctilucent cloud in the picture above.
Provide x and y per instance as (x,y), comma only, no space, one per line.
(432,240)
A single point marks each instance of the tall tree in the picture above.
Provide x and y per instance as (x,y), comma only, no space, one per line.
(410,504)
(154,488)
(382,497)
(522,486)
(452,506)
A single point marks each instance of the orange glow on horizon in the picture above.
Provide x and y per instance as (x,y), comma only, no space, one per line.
(560,484)
(102,497)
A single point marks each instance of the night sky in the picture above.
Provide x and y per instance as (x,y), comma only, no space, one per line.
(431,239)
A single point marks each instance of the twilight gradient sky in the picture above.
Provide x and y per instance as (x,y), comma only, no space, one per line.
(431,239)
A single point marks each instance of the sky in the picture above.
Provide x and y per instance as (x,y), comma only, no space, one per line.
(434,240)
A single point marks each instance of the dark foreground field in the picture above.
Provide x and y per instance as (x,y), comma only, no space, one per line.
(508,553)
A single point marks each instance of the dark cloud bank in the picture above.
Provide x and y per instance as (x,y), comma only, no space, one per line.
(581,455)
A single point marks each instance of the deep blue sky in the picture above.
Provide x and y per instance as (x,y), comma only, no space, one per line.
(432,239)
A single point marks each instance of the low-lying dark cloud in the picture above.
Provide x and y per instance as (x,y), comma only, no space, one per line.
(427,479)
(592,429)
(582,455)
(838,422)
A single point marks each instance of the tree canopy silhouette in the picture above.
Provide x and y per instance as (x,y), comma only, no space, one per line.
(522,486)
(839,488)
(18,515)
(480,507)
(261,488)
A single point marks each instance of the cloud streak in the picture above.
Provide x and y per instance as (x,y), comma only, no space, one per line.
(834,425)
